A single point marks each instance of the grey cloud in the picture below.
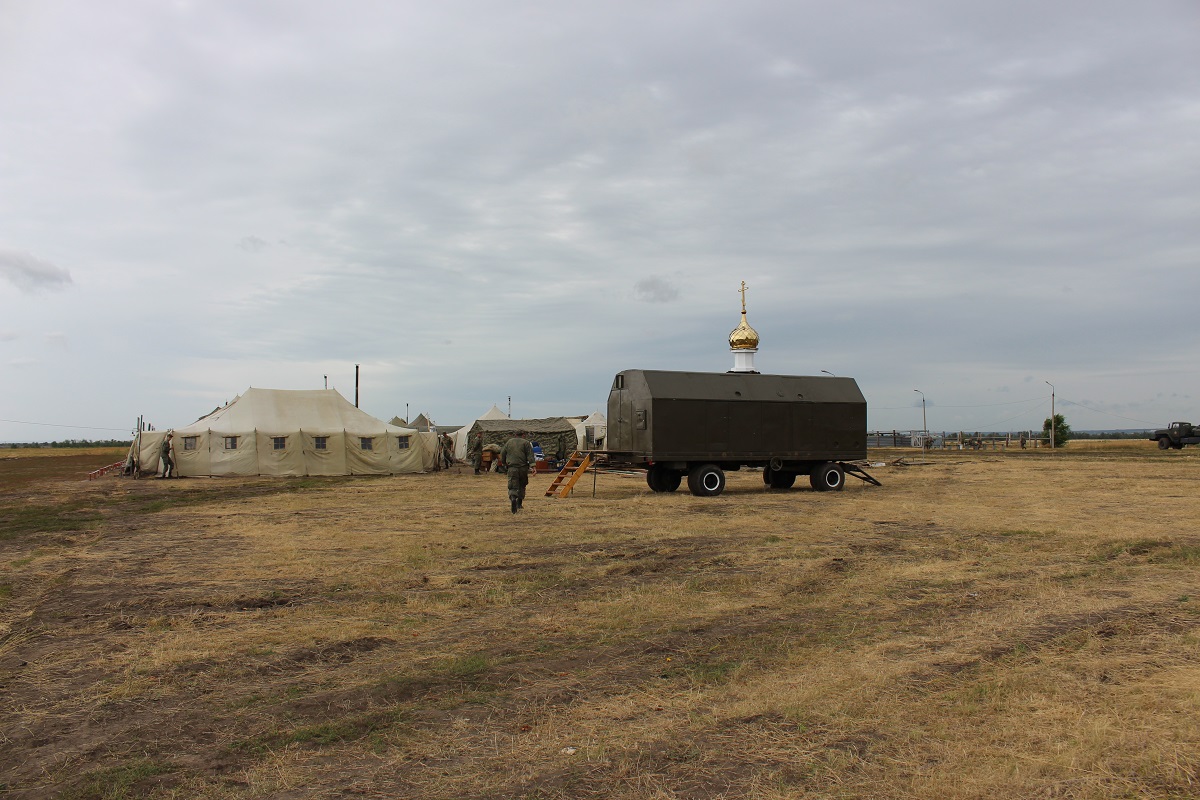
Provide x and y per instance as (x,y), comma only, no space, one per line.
(655,290)
(253,244)
(9,336)
(29,273)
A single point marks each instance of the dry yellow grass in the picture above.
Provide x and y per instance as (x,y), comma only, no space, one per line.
(985,625)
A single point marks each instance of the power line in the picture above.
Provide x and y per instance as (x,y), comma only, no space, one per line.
(1108,413)
(986,405)
(53,425)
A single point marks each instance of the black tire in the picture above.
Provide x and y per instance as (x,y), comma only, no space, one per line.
(828,477)
(706,480)
(779,478)
(652,479)
(1164,443)
(661,479)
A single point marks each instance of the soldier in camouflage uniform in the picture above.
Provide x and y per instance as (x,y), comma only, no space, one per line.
(165,454)
(518,459)
(477,452)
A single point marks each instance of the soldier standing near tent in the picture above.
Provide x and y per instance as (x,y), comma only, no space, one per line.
(477,452)
(518,459)
(168,463)
(447,449)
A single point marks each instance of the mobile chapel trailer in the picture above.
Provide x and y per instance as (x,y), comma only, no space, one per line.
(702,424)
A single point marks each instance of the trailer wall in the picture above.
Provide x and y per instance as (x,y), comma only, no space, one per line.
(735,417)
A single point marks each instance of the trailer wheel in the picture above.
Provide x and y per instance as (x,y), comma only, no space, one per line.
(653,476)
(706,480)
(827,477)
(778,478)
(661,479)
(1164,443)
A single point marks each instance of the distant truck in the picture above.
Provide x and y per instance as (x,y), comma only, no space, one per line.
(1176,436)
(700,425)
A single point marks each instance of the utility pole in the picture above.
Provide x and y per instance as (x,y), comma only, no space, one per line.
(924,425)
(510,406)
(1053,421)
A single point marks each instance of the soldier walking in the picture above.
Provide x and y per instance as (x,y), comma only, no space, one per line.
(518,459)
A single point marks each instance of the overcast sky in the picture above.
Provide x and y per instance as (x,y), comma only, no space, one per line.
(476,200)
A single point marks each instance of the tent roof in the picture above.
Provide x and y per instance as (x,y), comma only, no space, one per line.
(493,413)
(286,410)
(595,418)
(534,426)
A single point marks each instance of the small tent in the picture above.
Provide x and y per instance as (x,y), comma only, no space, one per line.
(593,430)
(421,423)
(290,432)
(461,437)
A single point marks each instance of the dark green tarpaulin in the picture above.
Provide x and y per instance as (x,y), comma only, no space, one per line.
(545,432)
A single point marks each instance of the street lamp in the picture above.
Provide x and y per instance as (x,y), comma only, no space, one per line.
(830,374)
(1052,419)
(924,424)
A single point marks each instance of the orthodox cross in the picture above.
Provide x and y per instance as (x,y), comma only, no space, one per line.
(743,292)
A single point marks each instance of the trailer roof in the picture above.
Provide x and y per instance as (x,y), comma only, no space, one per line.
(664,384)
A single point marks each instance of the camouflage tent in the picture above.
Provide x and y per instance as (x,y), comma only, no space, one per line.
(547,432)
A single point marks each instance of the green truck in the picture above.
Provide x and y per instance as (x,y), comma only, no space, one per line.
(1176,436)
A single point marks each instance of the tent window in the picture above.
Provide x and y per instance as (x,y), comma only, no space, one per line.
(366,442)
(279,442)
(231,442)
(320,442)
(189,442)
(402,442)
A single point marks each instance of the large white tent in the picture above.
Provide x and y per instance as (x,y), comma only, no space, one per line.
(461,439)
(291,432)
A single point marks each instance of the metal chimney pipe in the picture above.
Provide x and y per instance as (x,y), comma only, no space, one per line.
(356,385)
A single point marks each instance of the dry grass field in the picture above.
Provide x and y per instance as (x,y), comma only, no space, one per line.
(984,625)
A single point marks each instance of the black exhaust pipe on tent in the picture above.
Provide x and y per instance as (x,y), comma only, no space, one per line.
(356,385)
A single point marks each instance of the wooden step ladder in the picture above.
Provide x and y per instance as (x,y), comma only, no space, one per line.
(571,472)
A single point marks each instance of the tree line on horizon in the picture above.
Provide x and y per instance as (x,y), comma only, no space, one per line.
(66,443)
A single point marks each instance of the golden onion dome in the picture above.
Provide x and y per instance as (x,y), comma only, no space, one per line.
(743,337)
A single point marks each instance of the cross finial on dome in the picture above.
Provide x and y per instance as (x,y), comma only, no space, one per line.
(743,340)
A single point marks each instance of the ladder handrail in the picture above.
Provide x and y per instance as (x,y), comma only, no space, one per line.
(571,471)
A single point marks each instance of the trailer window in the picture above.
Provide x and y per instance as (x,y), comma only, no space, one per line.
(619,382)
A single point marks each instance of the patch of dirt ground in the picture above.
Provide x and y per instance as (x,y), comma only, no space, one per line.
(999,627)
